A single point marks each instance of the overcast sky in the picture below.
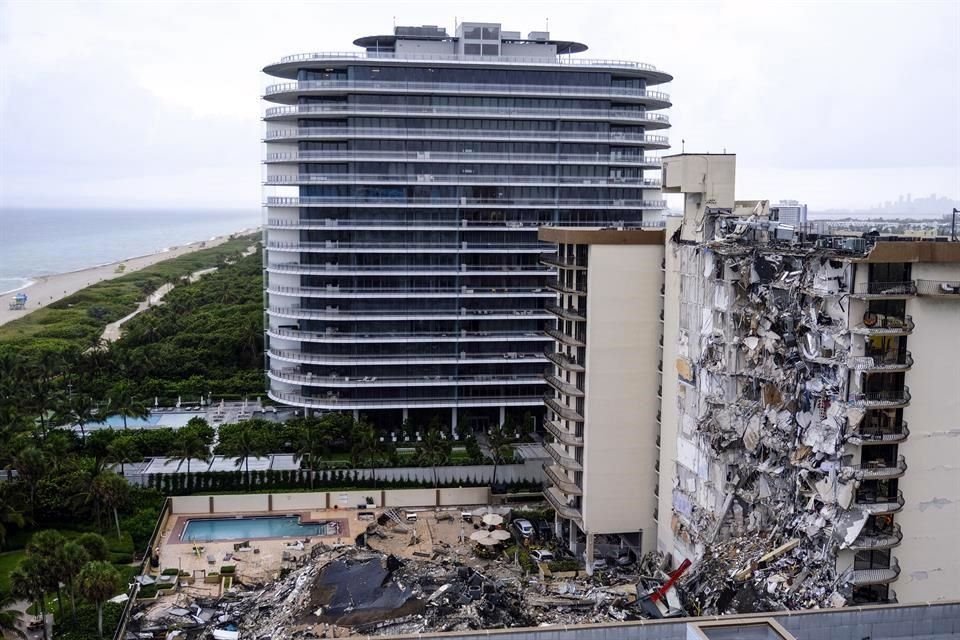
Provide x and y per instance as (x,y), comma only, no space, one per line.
(156,104)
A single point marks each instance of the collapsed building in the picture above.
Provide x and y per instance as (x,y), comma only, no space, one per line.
(785,424)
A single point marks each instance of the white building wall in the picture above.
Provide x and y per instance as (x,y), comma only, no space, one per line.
(930,554)
(623,284)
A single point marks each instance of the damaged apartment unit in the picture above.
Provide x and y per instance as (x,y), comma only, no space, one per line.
(811,402)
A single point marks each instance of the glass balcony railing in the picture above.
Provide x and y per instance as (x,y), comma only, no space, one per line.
(879,399)
(462,225)
(407,336)
(295,111)
(293,89)
(408,247)
(362,360)
(410,292)
(881,575)
(306,379)
(891,435)
(348,178)
(335,402)
(384,270)
(388,201)
(885,361)
(466,156)
(376,315)
(650,120)
(547,61)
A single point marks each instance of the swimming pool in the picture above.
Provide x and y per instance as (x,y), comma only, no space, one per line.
(246,528)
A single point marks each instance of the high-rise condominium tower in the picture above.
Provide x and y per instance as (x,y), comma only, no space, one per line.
(405,186)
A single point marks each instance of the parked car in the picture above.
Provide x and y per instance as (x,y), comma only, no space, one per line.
(541,555)
(523,527)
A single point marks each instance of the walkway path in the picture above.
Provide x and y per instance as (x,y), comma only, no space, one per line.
(111,332)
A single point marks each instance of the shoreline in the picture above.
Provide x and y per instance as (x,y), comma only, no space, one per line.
(45,290)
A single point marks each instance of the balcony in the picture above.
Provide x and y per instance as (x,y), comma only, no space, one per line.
(939,288)
(297,111)
(881,399)
(559,288)
(380,315)
(412,292)
(890,361)
(859,577)
(561,481)
(878,325)
(400,360)
(564,362)
(336,403)
(461,179)
(561,434)
(563,338)
(881,436)
(880,469)
(292,134)
(567,313)
(564,262)
(561,409)
(875,540)
(561,457)
(332,268)
(563,387)
(414,224)
(881,505)
(480,203)
(563,508)
(295,376)
(451,157)
(869,290)
(407,336)
(334,246)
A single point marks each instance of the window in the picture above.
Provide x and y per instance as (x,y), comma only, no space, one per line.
(471,49)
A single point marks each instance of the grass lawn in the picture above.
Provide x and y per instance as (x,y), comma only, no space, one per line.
(8,561)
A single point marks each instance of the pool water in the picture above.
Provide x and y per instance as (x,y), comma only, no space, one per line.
(210,529)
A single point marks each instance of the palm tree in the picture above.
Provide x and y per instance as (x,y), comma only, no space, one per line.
(8,514)
(311,444)
(72,556)
(124,403)
(189,446)
(245,445)
(27,582)
(111,491)
(81,412)
(98,581)
(45,547)
(42,398)
(10,617)
(31,466)
(367,445)
(434,451)
(500,449)
(95,545)
(122,450)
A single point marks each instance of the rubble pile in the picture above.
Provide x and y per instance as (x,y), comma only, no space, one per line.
(764,351)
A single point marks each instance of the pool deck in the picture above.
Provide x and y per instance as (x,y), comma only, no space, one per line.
(306,518)
(266,557)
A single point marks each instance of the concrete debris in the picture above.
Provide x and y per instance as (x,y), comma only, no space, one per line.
(764,422)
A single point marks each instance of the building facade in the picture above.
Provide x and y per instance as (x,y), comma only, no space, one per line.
(404,187)
(602,400)
(809,400)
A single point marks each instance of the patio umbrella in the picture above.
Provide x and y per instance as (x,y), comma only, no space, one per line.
(477,536)
(493,519)
(488,542)
(500,535)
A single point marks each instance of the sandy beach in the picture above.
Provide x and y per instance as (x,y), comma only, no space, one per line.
(48,289)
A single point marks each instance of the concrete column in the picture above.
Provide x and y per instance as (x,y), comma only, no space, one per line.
(356,414)
(589,554)
(453,422)
(572,537)
(406,414)
(503,415)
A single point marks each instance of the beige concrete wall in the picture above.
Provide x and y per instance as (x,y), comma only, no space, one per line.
(623,305)
(190,504)
(668,406)
(239,504)
(299,501)
(464,496)
(350,499)
(930,520)
(410,497)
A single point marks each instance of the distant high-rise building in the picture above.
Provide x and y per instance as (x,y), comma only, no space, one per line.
(404,187)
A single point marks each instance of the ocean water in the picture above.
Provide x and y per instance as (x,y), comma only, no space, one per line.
(41,242)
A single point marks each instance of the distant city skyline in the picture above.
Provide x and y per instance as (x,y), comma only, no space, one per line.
(805,96)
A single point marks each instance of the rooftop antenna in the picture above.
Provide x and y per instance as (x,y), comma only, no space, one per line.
(548,25)
(683,145)
(394,22)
